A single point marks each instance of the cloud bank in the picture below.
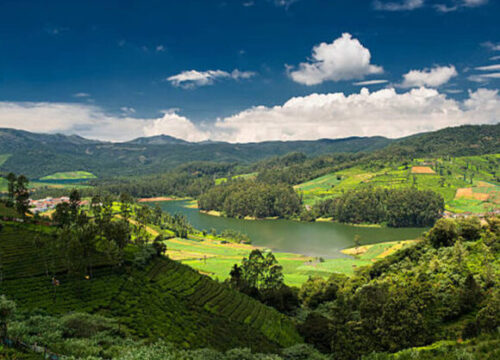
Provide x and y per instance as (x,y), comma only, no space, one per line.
(343,59)
(334,115)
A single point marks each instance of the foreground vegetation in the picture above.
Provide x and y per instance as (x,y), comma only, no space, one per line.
(108,291)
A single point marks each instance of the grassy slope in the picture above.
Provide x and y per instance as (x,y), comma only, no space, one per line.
(69,175)
(398,175)
(216,260)
(164,300)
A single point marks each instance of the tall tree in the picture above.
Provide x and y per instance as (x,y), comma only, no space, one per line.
(22,195)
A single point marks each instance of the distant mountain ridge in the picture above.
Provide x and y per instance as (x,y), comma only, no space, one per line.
(38,155)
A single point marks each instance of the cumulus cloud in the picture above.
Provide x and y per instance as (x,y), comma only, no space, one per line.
(92,122)
(333,115)
(175,125)
(193,78)
(434,77)
(404,5)
(336,115)
(343,59)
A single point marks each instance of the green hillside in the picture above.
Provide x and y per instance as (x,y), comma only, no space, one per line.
(162,299)
(472,174)
(37,155)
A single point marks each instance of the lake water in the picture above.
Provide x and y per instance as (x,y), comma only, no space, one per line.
(324,239)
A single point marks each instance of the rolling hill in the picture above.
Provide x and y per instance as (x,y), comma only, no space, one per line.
(38,155)
(162,299)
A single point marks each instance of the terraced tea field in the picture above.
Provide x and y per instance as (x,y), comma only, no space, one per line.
(163,300)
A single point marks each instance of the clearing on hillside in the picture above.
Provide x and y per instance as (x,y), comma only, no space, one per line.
(422,170)
(69,175)
(468,193)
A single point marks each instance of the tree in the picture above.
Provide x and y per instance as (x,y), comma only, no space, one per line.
(159,245)
(444,233)
(62,215)
(22,195)
(125,201)
(7,311)
(74,204)
(11,187)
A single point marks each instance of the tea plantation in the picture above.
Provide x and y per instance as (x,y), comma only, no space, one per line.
(162,299)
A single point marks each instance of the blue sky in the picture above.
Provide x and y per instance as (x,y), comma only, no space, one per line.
(218,69)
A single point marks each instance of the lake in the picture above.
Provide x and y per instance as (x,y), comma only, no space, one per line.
(324,239)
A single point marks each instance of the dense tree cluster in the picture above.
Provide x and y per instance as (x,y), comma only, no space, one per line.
(406,299)
(397,207)
(295,168)
(261,277)
(251,198)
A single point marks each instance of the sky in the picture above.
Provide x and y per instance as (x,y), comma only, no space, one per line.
(248,70)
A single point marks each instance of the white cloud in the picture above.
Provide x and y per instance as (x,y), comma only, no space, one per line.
(492,46)
(434,77)
(404,5)
(81,95)
(484,77)
(457,4)
(370,82)
(334,115)
(174,125)
(160,48)
(248,3)
(127,110)
(193,78)
(474,3)
(343,59)
(92,122)
(495,58)
(489,67)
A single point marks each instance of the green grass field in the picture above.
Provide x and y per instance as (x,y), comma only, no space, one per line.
(70,175)
(215,259)
(444,176)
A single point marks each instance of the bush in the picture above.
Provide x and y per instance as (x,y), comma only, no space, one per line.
(444,233)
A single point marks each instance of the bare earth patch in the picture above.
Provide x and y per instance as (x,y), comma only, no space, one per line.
(468,193)
(422,170)
(160,198)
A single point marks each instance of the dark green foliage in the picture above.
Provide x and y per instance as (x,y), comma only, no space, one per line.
(251,198)
(444,233)
(37,155)
(261,277)
(397,207)
(412,298)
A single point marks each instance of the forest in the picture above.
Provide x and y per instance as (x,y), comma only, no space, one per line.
(406,207)
(252,199)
